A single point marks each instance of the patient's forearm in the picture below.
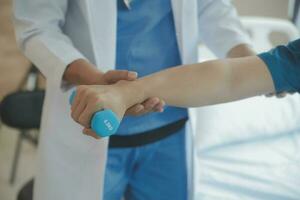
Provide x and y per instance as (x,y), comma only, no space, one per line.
(206,83)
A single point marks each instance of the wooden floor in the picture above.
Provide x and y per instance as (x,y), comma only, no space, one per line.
(8,138)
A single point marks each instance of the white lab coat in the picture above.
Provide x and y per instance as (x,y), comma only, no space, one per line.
(53,33)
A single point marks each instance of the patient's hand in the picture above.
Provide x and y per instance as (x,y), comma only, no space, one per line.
(92,98)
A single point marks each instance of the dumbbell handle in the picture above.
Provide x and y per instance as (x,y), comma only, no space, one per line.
(104,123)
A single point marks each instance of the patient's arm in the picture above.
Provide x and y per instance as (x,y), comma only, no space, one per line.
(206,83)
(189,86)
(198,84)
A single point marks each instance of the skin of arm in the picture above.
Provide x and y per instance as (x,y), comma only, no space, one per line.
(207,83)
(243,50)
(195,85)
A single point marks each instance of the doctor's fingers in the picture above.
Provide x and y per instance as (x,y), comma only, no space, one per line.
(114,76)
(134,110)
(146,107)
(153,104)
(91,133)
(156,105)
(160,106)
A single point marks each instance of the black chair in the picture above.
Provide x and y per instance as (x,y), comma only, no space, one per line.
(26,193)
(22,110)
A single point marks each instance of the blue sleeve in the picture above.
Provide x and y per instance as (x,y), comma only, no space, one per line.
(283,63)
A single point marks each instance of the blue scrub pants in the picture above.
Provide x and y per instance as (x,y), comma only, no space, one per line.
(155,171)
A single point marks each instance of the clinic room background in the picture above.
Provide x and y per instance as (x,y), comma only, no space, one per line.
(243,150)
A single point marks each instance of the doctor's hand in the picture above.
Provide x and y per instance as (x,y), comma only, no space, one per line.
(153,104)
(81,72)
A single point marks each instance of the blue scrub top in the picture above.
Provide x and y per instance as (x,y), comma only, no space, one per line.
(146,43)
(284,65)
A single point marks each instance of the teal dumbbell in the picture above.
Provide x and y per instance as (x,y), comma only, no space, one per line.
(104,123)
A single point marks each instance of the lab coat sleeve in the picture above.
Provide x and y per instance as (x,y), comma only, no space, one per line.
(38,26)
(219,26)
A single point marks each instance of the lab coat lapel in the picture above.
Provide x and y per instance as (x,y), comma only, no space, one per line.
(182,25)
(102,15)
(186,25)
(181,19)
(177,13)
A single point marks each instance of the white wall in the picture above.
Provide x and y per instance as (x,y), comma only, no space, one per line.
(268,8)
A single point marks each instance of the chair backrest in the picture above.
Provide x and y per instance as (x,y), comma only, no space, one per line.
(26,192)
(22,109)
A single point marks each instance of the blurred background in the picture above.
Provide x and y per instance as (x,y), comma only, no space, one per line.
(17,155)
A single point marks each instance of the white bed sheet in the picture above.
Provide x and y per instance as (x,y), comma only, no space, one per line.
(248,150)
